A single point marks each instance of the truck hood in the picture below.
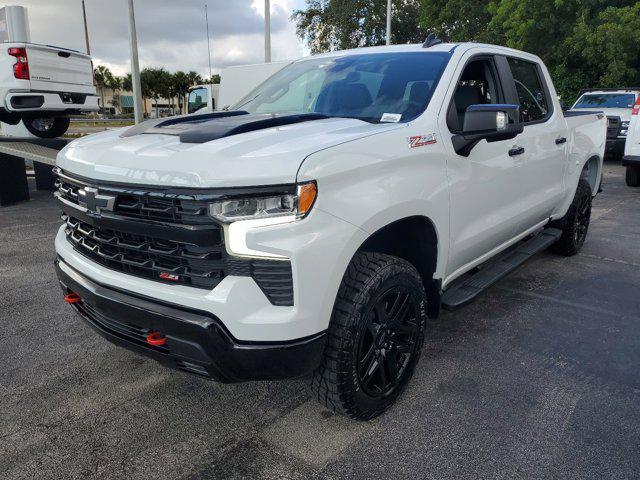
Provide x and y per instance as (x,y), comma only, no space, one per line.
(623,113)
(263,157)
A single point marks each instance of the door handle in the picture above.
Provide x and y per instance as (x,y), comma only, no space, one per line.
(561,140)
(516,151)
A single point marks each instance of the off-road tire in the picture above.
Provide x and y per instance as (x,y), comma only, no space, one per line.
(573,226)
(58,126)
(336,382)
(632,176)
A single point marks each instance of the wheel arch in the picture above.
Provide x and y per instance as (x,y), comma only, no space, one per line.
(592,173)
(414,239)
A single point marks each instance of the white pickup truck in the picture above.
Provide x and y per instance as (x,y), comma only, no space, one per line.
(617,105)
(315,227)
(42,85)
(631,158)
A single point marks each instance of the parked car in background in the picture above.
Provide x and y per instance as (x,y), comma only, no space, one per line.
(315,226)
(42,85)
(616,105)
(631,159)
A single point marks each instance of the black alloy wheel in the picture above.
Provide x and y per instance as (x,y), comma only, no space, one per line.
(387,342)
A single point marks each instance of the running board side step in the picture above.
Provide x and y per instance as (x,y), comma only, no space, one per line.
(460,294)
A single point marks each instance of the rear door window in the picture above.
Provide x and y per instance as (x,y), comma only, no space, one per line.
(534,104)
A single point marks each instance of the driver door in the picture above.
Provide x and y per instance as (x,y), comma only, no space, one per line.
(485,186)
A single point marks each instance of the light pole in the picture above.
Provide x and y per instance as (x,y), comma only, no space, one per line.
(86,30)
(267,32)
(135,68)
(206,19)
(388,22)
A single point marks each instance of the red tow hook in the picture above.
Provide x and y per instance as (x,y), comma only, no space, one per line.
(156,339)
(72,297)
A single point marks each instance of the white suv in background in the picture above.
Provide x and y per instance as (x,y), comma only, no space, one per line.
(616,105)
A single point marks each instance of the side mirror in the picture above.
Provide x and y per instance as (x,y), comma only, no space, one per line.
(490,122)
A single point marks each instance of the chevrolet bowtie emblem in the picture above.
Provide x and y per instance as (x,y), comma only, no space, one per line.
(89,198)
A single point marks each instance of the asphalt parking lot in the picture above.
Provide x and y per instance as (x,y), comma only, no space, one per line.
(539,378)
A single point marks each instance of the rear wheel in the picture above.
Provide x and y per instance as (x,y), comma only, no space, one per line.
(575,224)
(374,339)
(47,127)
(632,176)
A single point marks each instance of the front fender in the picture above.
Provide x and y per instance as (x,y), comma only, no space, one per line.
(376,181)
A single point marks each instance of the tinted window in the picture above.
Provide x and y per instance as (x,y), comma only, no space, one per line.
(477,85)
(364,86)
(531,96)
(606,100)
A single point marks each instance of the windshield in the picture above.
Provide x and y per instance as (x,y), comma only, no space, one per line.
(606,100)
(384,87)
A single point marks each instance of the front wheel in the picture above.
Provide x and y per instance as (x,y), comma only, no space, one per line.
(47,127)
(374,338)
(575,223)
(632,176)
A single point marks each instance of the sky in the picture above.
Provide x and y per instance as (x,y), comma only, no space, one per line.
(171,33)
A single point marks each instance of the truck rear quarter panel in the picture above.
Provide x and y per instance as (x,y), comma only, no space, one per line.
(587,138)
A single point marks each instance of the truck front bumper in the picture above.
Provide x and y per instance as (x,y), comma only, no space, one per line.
(196,341)
(51,102)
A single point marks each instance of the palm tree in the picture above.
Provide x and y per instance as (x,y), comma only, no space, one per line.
(115,84)
(194,78)
(103,78)
(181,84)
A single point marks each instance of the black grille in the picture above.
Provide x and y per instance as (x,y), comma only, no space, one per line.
(149,257)
(147,205)
(162,236)
(613,127)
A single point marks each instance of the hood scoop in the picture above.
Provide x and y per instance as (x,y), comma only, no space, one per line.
(211,126)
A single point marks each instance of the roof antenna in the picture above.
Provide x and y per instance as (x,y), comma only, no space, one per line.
(432,39)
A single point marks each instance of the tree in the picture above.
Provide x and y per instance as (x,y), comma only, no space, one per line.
(457,20)
(583,43)
(194,78)
(155,84)
(339,24)
(213,79)
(181,84)
(115,84)
(104,78)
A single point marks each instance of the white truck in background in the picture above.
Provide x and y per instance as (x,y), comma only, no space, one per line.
(42,85)
(235,83)
(631,158)
(616,104)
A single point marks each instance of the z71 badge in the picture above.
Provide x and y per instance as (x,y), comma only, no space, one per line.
(422,140)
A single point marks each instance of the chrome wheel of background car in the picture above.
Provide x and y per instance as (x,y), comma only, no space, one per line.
(387,342)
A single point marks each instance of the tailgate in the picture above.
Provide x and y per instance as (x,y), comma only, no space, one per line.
(49,66)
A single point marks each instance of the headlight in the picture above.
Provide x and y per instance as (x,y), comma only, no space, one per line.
(296,205)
